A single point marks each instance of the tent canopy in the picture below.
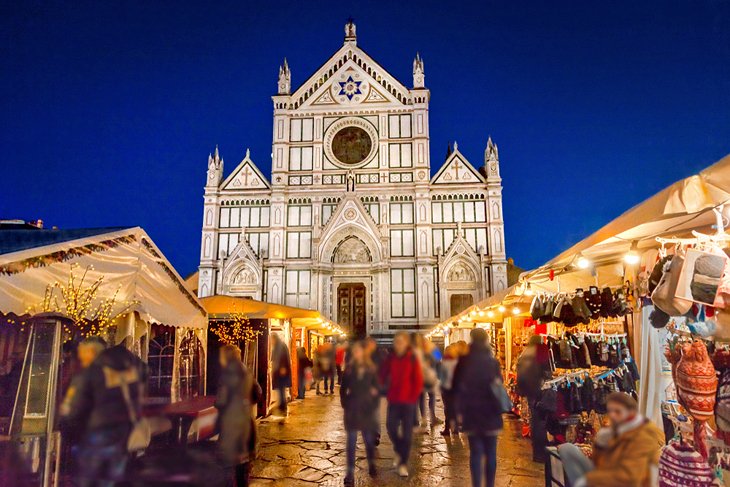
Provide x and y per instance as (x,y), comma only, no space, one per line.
(676,211)
(131,268)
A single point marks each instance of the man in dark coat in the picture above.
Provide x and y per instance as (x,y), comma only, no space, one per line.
(280,370)
(303,363)
(100,408)
(476,374)
(238,393)
(532,370)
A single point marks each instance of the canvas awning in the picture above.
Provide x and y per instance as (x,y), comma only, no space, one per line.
(131,266)
(676,211)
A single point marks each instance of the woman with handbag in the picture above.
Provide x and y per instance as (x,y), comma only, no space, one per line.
(238,393)
(476,384)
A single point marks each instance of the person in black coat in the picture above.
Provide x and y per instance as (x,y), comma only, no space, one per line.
(474,377)
(532,370)
(238,393)
(100,407)
(280,370)
(303,363)
(360,398)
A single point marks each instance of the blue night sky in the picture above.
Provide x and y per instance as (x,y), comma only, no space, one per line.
(109,109)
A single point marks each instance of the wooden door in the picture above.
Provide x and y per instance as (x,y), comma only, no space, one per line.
(352,309)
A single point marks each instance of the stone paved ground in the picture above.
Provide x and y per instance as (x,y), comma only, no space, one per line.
(309,449)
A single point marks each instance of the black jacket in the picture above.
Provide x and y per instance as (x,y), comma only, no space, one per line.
(94,401)
(358,400)
(473,380)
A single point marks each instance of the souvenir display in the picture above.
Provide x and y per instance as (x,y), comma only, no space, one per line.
(701,275)
(580,307)
(681,466)
(664,296)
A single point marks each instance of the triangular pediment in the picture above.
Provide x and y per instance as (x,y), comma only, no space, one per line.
(242,269)
(350,77)
(246,176)
(461,262)
(457,170)
(351,218)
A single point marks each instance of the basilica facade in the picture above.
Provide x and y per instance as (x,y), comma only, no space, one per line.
(351,220)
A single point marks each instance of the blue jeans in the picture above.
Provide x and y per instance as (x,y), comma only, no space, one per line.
(368,437)
(399,424)
(482,459)
(100,463)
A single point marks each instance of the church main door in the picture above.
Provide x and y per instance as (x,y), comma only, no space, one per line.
(351,309)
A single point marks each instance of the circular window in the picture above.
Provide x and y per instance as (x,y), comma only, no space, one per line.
(351,145)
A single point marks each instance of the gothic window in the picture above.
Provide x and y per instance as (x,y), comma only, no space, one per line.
(401,213)
(298,245)
(399,126)
(352,250)
(299,215)
(255,215)
(226,243)
(442,239)
(297,289)
(402,293)
(468,210)
(259,242)
(301,130)
(300,158)
(401,243)
(400,155)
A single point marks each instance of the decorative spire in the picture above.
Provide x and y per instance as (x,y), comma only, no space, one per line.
(419,76)
(284,79)
(491,159)
(350,31)
(449,150)
(248,153)
(456,145)
(215,168)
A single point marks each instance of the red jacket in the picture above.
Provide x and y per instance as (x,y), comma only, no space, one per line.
(403,378)
(340,355)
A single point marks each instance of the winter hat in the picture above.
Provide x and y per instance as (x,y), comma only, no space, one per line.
(681,466)
(606,302)
(656,273)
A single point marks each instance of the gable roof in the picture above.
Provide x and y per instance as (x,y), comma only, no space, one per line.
(349,52)
(15,240)
(457,170)
(246,176)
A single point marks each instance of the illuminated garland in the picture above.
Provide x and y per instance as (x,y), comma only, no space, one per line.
(236,330)
(64,255)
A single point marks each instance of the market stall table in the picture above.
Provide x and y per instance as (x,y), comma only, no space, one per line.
(182,414)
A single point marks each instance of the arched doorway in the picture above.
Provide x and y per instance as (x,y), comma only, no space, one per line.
(352,310)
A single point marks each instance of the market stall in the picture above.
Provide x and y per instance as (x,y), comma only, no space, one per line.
(250,324)
(58,286)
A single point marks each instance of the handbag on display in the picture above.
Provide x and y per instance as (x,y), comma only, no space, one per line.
(664,296)
(701,275)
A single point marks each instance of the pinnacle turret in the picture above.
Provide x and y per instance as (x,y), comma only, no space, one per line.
(284,79)
(419,74)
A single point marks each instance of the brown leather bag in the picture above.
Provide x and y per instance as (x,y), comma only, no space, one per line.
(664,297)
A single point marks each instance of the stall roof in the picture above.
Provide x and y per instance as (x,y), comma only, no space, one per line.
(675,211)
(126,259)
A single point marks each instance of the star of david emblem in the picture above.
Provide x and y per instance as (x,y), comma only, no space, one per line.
(350,88)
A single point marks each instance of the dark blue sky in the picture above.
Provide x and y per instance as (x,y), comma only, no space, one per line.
(109,109)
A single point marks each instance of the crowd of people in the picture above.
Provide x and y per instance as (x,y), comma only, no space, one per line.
(101,411)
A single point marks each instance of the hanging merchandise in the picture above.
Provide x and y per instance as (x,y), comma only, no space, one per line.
(681,466)
(722,404)
(578,308)
(656,274)
(664,296)
(701,275)
(696,383)
(722,299)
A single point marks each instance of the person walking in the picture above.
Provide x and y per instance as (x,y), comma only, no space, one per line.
(303,363)
(625,453)
(378,357)
(430,382)
(281,371)
(532,370)
(446,379)
(340,352)
(238,393)
(327,367)
(402,377)
(474,378)
(100,408)
(360,396)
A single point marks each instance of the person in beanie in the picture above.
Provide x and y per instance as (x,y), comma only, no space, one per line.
(402,377)
(474,377)
(360,397)
(625,453)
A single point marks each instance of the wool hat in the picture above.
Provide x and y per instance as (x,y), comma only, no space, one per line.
(681,466)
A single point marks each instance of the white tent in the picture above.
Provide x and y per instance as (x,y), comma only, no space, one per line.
(127,260)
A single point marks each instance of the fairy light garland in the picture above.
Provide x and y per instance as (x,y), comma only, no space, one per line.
(236,330)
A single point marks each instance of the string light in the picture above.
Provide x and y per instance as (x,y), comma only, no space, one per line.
(501,309)
(632,257)
(238,329)
(490,314)
(582,262)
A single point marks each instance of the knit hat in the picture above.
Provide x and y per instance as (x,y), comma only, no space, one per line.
(681,466)
(656,273)
(658,318)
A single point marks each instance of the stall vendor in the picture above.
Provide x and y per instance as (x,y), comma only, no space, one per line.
(625,453)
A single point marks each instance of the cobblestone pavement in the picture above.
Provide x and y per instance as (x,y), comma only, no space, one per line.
(309,449)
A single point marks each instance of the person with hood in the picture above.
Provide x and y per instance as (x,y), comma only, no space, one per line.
(625,453)
(238,394)
(303,363)
(360,397)
(281,371)
(532,370)
(101,406)
(402,377)
(475,375)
